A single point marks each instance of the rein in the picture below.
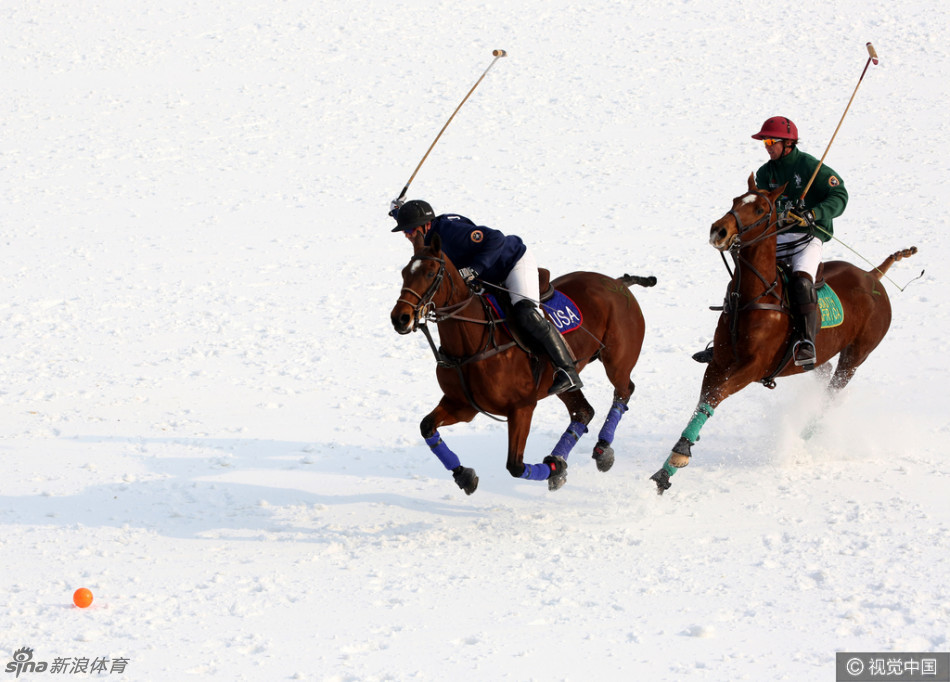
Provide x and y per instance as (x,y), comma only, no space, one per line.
(425,311)
(731,305)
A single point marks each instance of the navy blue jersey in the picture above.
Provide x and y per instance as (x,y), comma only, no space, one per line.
(491,253)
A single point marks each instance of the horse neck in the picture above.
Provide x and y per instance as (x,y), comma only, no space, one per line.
(756,258)
(460,337)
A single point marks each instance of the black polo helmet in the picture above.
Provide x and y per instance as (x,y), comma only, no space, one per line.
(412,214)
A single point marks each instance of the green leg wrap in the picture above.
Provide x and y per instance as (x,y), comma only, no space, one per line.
(703,412)
(669,468)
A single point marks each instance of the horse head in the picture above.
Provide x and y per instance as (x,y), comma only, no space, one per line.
(422,281)
(751,216)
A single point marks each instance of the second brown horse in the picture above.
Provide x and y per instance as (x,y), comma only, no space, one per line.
(753,338)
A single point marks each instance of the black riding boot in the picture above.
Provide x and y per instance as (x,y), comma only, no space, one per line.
(543,331)
(804,300)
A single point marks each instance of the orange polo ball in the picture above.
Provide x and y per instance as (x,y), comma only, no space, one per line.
(82,597)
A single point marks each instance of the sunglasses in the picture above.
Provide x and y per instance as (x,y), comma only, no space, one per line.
(771,140)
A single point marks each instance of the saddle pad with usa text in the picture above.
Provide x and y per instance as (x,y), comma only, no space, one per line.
(563,312)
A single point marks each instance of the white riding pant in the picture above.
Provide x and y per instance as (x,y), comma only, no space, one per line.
(522,281)
(801,255)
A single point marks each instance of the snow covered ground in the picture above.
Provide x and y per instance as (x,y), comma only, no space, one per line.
(209,422)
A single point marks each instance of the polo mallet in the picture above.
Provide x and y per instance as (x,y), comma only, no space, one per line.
(497,54)
(872,57)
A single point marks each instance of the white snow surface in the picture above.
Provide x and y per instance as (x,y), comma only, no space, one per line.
(209,421)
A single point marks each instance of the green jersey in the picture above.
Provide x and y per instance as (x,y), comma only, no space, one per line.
(826,197)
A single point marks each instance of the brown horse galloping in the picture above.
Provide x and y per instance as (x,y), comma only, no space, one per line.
(481,369)
(755,332)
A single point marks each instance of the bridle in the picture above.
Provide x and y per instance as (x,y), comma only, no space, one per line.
(742,229)
(425,310)
(735,248)
(732,306)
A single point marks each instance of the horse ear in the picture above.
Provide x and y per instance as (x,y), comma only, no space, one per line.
(752,187)
(418,241)
(437,243)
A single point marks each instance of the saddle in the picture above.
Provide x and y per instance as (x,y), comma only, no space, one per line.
(500,297)
(829,306)
(544,284)
(563,312)
(785,272)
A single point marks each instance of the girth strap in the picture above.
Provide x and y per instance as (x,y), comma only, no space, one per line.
(443,360)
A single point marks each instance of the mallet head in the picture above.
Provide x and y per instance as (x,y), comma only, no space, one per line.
(872,53)
(502,53)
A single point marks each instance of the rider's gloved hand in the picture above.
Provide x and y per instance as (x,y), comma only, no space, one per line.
(469,275)
(394,206)
(804,218)
(797,215)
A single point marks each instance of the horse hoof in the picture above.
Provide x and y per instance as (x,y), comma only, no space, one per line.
(558,475)
(603,455)
(662,480)
(677,460)
(466,479)
(681,453)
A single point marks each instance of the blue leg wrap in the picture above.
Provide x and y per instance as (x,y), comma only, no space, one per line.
(613,418)
(703,412)
(536,472)
(448,458)
(569,439)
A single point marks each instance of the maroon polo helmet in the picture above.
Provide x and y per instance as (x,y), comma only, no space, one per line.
(779,128)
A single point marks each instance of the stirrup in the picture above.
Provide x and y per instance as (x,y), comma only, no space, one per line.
(803,345)
(564,381)
(704,356)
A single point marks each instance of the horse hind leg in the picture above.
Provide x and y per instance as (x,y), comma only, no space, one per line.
(581,414)
(848,362)
(867,339)
(623,342)
(603,450)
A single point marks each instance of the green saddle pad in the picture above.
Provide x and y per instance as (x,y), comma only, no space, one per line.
(829,305)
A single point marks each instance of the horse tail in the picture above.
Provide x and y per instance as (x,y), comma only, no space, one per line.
(630,280)
(880,270)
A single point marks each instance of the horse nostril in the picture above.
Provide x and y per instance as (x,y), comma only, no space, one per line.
(402,321)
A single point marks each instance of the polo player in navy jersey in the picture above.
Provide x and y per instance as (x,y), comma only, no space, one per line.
(482,253)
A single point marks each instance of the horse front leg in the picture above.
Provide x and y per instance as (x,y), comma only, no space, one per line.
(447,413)
(718,384)
(552,469)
